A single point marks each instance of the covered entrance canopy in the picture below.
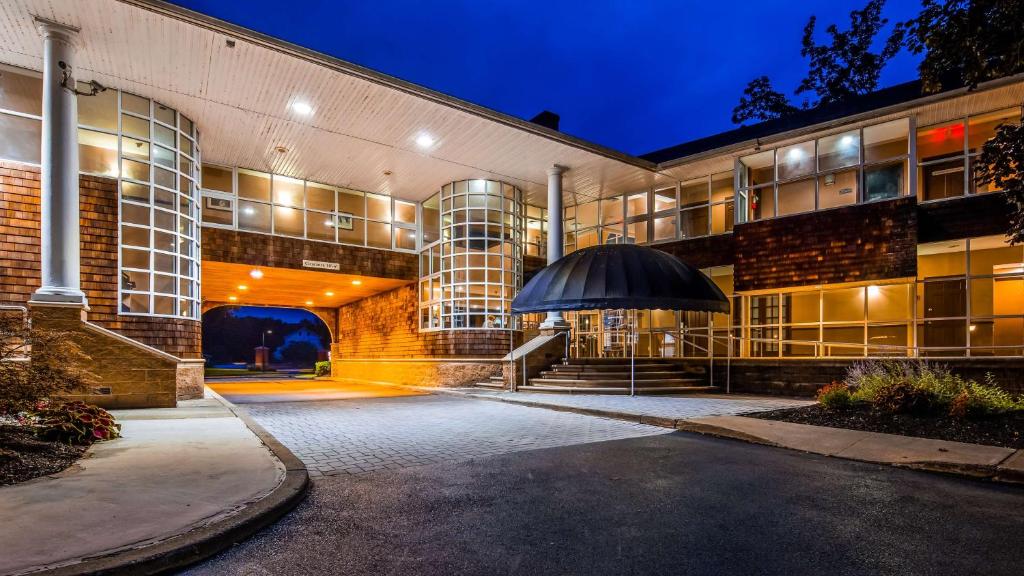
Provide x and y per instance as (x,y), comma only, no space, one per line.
(620,276)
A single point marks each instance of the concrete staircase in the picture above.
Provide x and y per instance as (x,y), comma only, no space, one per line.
(492,383)
(611,376)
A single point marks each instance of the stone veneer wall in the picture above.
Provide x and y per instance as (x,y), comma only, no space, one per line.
(19,259)
(379,340)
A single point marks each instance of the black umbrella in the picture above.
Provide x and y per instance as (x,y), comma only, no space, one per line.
(620,276)
(613,276)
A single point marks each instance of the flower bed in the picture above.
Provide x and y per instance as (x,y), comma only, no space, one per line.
(914,399)
(24,456)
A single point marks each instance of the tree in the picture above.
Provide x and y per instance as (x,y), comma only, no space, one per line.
(761,102)
(846,67)
(1000,164)
(966,42)
(837,71)
(300,352)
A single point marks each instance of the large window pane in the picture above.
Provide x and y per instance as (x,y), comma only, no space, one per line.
(694,193)
(405,212)
(217,178)
(890,302)
(378,234)
(379,208)
(838,151)
(943,180)
(665,199)
(993,255)
(253,216)
(843,305)
(942,141)
(351,230)
(837,189)
(217,211)
(611,210)
(586,215)
(97,153)
(319,197)
(405,239)
(665,228)
(762,203)
(982,128)
(942,259)
(288,191)
(21,91)
(98,111)
(253,185)
(636,204)
(757,169)
(694,222)
(20,139)
(884,181)
(288,221)
(722,217)
(796,161)
(351,202)
(796,197)
(884,141)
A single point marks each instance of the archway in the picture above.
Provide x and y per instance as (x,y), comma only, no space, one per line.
(295,339)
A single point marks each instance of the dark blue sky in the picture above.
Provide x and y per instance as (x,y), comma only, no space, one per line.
(630,74)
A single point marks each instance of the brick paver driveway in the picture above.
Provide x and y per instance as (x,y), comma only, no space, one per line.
(367,434)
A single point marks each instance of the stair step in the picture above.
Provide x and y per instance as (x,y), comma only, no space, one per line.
(497,379)
(614,367)
(605,361)
(617,382)
(490,385)
(618,389)
(650,375)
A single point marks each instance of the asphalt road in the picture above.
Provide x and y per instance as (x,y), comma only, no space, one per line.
(661,504)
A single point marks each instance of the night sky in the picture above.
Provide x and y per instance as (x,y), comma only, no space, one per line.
(632,75)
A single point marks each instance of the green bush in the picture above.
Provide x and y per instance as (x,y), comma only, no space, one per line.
(37,365)
(77,423)
(908,387)
(322,368)
(835,396)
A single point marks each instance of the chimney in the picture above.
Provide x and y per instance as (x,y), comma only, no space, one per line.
(546,119)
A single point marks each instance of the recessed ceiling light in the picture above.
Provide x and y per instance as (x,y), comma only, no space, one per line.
(357,282)
(309,302)
(302,108)
(424,140)
(280,149)
(233,298)
(329,293)
(256,273)
(243,287)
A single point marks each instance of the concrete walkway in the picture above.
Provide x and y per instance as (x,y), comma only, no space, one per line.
(175,471)
(993,462)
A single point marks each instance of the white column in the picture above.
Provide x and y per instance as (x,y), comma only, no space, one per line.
(59,248)
(555,236)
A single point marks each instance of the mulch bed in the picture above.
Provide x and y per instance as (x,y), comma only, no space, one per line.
(24,457)
(1006,430)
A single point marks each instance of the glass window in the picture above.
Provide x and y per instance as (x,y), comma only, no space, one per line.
(665,228)
(694,222)
(839,151)
(378,234)
(982,128)
(586,215)
(351,230)
(885,141)
(98,111)
(405,239)
(757,169)
(21,139)
(835,189)
(253,185)
(134,126)
(796,161)
(288,191)
(351,202)
(288,221)
(97,152)
(693,193)
(890,303)
(942,141)
(796,197)
(320,197)
(611,210)
(405,212)
(378,208)
(884,181)
(636,204)
(217,178)
(843,305)
(253,216)
(944,179)
(21,91)
(665,199)
(218,211)
(135,104)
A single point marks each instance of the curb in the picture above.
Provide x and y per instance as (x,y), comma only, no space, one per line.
(196,545)
(995,473)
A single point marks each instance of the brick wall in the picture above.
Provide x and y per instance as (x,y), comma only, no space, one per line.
(19,258)
(857,243)
(702,252)
(970,216)
(232,246)
(386,326)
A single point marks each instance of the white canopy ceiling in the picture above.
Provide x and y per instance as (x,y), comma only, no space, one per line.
(363,124)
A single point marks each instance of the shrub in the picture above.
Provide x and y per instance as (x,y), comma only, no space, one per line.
(322,368)
(835,396)
(38,364)
(77,423)
(916,387)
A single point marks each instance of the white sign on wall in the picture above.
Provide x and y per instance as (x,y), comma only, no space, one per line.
(321,265)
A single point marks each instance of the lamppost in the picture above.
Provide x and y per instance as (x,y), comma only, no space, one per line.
(265,332)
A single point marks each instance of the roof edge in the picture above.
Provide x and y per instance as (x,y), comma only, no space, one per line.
(343,66)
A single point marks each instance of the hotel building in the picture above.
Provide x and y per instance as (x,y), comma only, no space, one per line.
(156,163)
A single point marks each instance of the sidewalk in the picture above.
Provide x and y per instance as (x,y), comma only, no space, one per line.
(181,483)
(721,415)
